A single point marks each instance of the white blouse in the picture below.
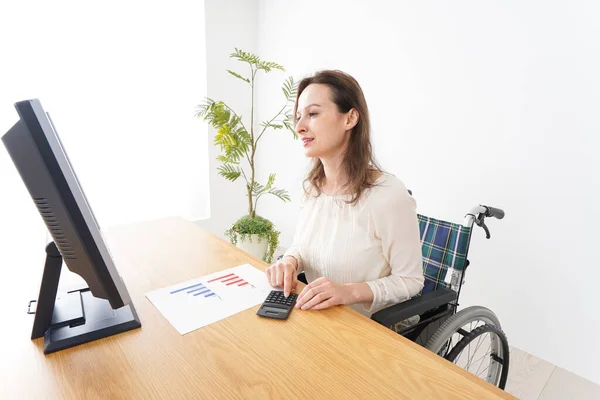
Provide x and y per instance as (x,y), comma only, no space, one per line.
(375,241)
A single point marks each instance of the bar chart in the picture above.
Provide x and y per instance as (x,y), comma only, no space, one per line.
(207,299)
(198,289)
(230,280)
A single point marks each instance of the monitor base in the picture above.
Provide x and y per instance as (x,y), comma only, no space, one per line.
(76,317)
(97,321)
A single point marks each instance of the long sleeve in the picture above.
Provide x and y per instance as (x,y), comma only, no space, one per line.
(294,251)
(395,224)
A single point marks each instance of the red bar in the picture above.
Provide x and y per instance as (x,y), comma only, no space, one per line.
(242,284)
(228,279)
(221,277)
(238,281)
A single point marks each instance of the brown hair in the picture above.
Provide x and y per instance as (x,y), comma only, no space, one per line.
(358,161)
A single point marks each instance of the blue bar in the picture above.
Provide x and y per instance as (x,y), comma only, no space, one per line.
(206,291)
(195,290)
(185,288)
(208,295)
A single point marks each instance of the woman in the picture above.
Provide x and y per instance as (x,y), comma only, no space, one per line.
(357,239)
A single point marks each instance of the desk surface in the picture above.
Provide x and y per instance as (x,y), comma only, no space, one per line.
(335,353)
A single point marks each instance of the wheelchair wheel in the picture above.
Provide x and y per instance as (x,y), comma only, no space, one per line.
(473,339)
(484,364)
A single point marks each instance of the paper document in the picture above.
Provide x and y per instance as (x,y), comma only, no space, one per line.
(198,302)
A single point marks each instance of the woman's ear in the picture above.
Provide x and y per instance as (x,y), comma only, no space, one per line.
(352,119)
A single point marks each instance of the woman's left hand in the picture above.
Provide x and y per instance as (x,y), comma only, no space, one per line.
(323,293)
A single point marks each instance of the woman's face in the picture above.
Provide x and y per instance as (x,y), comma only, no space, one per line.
(323,129)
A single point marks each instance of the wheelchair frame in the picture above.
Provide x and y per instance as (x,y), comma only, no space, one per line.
(437,306)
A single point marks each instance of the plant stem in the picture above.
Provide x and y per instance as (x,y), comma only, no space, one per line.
(272,119)
(256,201)
(245,177)
(251,210)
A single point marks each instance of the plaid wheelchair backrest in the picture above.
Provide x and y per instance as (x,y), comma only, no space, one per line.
(444,245)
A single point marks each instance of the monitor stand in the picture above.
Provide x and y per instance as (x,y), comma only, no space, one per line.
(76,317)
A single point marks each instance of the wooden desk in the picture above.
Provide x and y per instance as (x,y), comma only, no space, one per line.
(336,353)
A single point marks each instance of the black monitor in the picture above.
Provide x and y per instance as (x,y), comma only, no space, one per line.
(76,317)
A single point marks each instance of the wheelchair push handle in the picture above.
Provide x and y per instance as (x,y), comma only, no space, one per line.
(494,212)
(479,214)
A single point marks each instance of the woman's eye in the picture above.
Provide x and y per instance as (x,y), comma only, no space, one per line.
(312,114)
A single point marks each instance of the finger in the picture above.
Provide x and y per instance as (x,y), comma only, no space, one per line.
(287,284)
(274,277)
(303,297)
(319,298)
(268,274)
(319,281)
(325,304)
(314,284)
(300,295)
(308,296)
(279,278)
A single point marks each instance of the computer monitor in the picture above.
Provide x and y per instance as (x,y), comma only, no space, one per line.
(103,309)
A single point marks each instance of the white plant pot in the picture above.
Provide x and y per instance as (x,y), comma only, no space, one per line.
(255,248)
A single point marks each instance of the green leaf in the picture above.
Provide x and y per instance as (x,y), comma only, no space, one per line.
(224,159)
(231,137)
(216,114)
(281,194)
(257,188)
(246,57)
(229,172)
(255,61)
(223,137)
(239,76)
(288,125)
(267,124)
(270,182)
(289,89)
(203,109)
(268,66)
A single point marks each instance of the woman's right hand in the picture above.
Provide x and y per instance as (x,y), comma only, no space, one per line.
(283,273)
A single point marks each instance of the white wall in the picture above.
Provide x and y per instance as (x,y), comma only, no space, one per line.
(473,103)
(230,24)
(121,81)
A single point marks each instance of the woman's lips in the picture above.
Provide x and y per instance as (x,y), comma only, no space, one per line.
(306,141)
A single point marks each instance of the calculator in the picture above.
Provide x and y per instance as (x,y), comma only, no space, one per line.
(277,305)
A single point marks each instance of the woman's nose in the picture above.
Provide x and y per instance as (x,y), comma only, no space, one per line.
(300,126)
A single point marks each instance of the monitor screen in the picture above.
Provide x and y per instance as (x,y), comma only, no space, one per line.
(39,156)
(41,160)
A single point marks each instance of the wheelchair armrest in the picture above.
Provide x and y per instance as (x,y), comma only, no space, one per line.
(415,306)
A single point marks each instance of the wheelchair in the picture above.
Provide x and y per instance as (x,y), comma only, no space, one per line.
(472,338)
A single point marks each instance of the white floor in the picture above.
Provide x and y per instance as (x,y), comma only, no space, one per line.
(531,378)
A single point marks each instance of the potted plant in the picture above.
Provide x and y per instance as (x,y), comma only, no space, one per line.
(238,143)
